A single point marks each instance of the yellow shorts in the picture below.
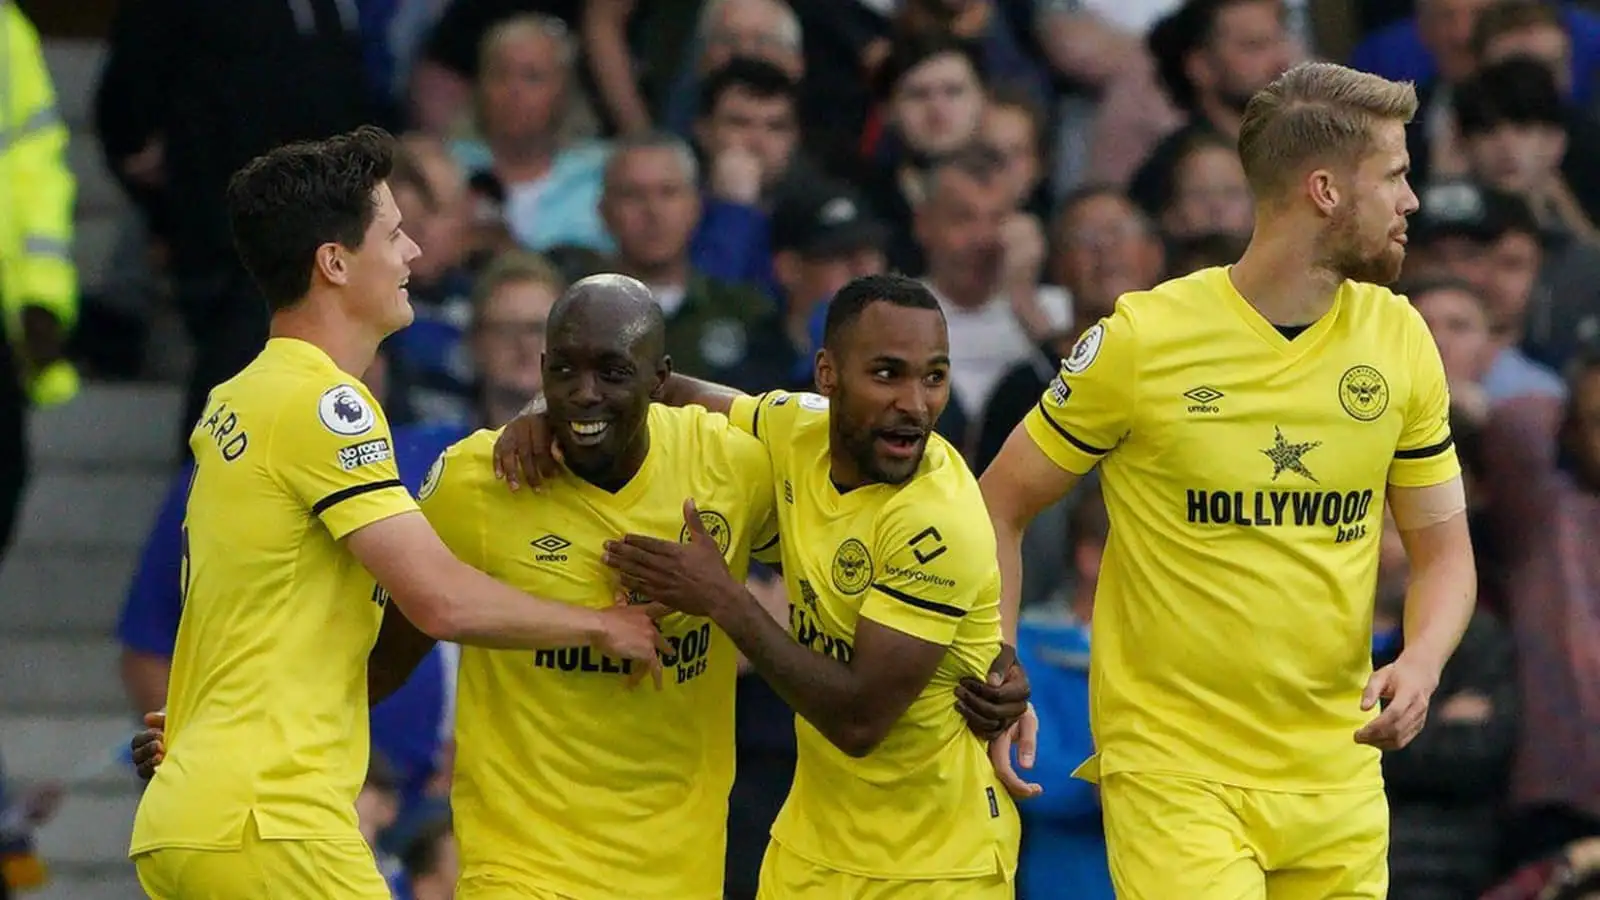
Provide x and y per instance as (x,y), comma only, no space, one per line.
(264,870)
(1169,836)
(785,876)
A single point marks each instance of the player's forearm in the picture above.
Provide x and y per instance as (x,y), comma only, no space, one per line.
(681,390)
(1440,600)
(820,689)
(465,606)
(1008,547)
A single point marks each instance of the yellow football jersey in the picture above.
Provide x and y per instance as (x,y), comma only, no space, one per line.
(566,781)
(1245,476)
(267,703)
(918,558)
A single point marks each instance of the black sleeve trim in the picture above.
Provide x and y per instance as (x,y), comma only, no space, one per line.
(1090,449)
(1429,451)
(354,490)
(755,417)
(943,609)
(765,547)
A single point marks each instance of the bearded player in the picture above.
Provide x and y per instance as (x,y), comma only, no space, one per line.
(888,560)
(1251,421)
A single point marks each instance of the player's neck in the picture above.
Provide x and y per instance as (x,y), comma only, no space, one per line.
(1280,276)
(350,347)
(625,469)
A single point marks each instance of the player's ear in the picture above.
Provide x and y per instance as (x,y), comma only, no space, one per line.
(827,377)
(663,372)
(330,264)
(1323,187)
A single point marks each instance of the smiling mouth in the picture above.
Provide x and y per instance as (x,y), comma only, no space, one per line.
(588,434)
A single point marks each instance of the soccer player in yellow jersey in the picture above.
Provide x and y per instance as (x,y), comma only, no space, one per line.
(888,558)
(295,506)
(1251,422)
(569,784)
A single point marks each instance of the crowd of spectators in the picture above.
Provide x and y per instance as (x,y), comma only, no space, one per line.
(1031,160)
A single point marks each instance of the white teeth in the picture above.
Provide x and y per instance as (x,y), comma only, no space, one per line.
(589,429)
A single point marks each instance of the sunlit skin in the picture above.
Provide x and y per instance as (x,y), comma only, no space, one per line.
(887,379)
(1367,232)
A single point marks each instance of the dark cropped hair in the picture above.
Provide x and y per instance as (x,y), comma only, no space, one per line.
(853,299)
(285,204)
(756,77)
(909,51)
(1516,91)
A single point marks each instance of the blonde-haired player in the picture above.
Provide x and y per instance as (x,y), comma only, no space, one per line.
(1251,422)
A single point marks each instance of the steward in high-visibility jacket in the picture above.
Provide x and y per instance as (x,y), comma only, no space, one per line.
(38,283)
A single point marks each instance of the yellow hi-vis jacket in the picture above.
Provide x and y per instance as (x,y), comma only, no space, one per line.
(36,199)
(36,186)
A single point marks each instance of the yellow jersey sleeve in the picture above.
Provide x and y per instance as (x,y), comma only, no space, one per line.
(1086,410)
(937,563)
(332,449)
(771,417)
(1425,454)
(453,500)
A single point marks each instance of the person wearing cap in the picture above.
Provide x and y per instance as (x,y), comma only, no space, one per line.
(823,236)
(1490,239)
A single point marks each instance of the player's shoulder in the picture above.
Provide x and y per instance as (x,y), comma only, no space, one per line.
(1379,303)
(1149,316)
(466,464)
(944,493)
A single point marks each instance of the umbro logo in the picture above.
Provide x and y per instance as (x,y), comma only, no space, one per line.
(1203,399)
(550,548)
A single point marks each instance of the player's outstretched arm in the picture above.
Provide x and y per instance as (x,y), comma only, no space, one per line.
(1019,484)
(526,450)
(1439,602)
(451,601)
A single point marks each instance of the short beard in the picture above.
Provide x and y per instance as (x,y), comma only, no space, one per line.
(1346,260)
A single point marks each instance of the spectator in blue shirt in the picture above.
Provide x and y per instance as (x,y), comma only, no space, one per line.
(1063,846)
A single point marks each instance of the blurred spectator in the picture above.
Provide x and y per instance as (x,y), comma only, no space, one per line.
(378,808)
(1017,127)
(1458,317)
(429,861)
(1540,287)
(1203,252)
(1209,194)
(511,304)
(1531,29)
(766,30)
(822,238)
(984,265)
(1115,112)
(652,206)
(634,53)
(1212,55)
(748,134)
(986,27)
(1516,135)
(430,367)
(410,729)
(1104,247)
(190,92)
(1544,464)
(1064,845)
(537,131)
(1444,788)
(932,87)
(38,283)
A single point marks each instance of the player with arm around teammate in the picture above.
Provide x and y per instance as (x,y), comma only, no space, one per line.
(888,560)
(295,500)
(1250,423)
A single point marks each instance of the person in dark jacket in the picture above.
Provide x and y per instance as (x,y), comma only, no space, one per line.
(191,91)
(1445,787)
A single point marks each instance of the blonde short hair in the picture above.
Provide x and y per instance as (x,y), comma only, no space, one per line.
(1316,111)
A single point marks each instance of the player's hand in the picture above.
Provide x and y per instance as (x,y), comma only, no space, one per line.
(991,707)
(149,746)
(1024,737)
(629,632)
(526,449)
(690,577)
(1405,686)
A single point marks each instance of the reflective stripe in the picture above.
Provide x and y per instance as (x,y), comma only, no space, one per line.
(37,245)
(43,120)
